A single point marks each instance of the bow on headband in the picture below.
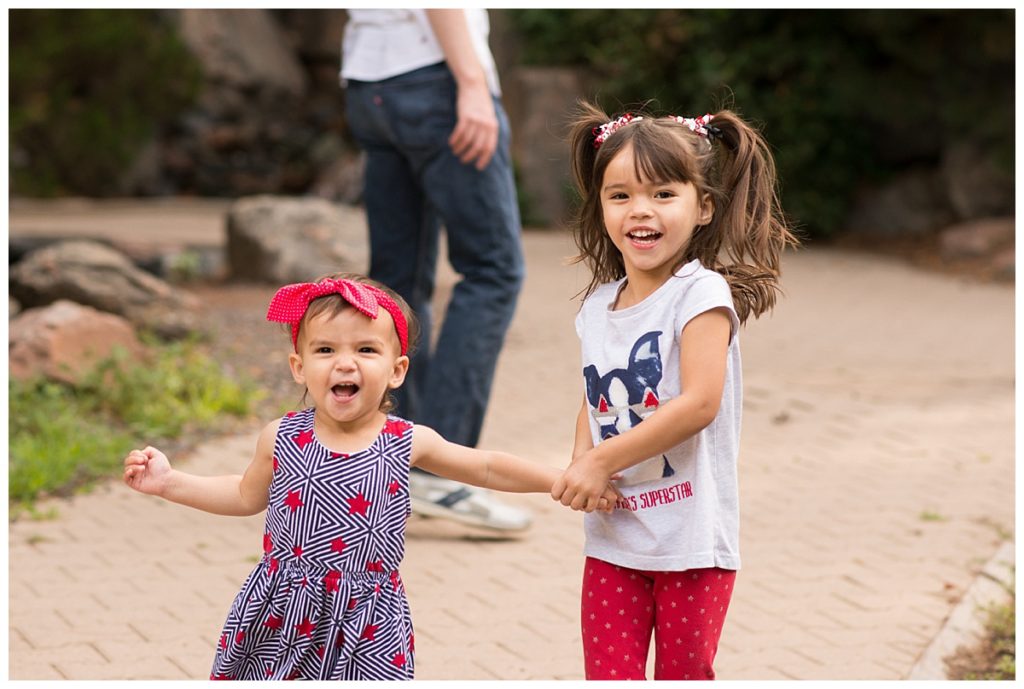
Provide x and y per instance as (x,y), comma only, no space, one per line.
(698,125)
(291,301)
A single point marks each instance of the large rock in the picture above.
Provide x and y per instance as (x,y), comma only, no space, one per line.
(283,240)
(537,99)
(65,340)
(976,185)
(913,204)
(96,275)
(977,238)
(243,49)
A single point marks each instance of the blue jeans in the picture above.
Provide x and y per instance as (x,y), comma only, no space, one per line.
(414,184)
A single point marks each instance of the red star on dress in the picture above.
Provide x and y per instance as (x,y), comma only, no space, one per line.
(289,415)
(320,651)
(396,580)
(223,676)
(239,637)
(335,455)
(268,542)
(412,642)
(396,428)
(275,463)
(303,438)
(339,640)
(337,545)
(294,501)
(375,566)
(305,628)
(352,603)
(369,631)
(273,565)
(273,622)
(358,504)
(398,660)
(376,588)
(297,550)
(270,671)
(394,487)
(332,581)
(224,640)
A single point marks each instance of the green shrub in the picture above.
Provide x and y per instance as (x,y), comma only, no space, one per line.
(63,437)
(844,96)
(88,87)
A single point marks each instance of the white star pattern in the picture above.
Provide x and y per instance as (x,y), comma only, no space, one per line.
(645,600)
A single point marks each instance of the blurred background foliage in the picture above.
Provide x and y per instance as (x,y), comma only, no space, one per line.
(87,89)
(848,99)
(844,97)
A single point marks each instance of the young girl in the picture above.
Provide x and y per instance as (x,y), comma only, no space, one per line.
(681,227)
(326,601)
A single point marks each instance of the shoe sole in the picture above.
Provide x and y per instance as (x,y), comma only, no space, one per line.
(430,509)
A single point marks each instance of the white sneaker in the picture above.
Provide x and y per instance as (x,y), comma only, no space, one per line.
(433,496)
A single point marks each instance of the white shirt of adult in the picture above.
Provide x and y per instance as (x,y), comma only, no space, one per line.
(379,44)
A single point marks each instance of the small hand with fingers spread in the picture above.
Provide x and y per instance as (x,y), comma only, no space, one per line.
(147,470)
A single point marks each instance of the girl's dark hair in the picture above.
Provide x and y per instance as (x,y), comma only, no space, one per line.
(333,304)
(746,235)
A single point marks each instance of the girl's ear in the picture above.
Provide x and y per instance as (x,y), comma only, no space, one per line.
(295,364)
(399,372)
(707,209)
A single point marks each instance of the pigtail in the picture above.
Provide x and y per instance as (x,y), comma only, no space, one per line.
(595,247)
(748,230)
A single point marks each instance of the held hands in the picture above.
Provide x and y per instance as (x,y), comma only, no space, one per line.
(585,486)
(147,470)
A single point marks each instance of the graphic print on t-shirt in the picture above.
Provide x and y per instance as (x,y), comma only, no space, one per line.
(623,397)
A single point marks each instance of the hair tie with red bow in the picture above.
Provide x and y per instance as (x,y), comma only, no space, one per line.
(291,301)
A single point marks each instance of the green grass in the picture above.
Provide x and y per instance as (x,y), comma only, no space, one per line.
(63,438)
(994,656)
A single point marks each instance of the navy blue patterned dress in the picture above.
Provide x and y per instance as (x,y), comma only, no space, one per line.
(326,601)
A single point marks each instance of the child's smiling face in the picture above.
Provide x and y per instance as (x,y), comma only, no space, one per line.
(348,362)
(649,221)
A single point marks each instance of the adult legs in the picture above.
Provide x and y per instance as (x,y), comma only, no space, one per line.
(414,182)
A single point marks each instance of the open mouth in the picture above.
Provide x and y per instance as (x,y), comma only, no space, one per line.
(345,390)
(643,237)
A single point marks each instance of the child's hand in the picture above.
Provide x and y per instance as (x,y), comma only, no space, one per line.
(583,485)
(147,470)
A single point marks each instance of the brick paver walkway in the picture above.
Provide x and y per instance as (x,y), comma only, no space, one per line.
(876,479)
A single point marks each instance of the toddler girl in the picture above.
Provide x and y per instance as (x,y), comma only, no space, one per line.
(326,601)
(681,227)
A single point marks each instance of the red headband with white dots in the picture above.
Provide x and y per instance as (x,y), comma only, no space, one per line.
(291,301)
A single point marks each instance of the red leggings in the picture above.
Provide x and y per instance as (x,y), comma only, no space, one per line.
(622,606)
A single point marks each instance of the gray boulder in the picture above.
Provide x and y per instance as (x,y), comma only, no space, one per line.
(283,240)
(242,49)
(96,275)
(913,204)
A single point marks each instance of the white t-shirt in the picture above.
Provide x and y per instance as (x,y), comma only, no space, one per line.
(379,44)
(681,509)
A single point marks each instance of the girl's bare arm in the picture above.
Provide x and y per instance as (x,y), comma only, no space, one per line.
(149,471)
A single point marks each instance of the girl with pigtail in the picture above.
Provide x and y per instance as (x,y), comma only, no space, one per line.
(681,227)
